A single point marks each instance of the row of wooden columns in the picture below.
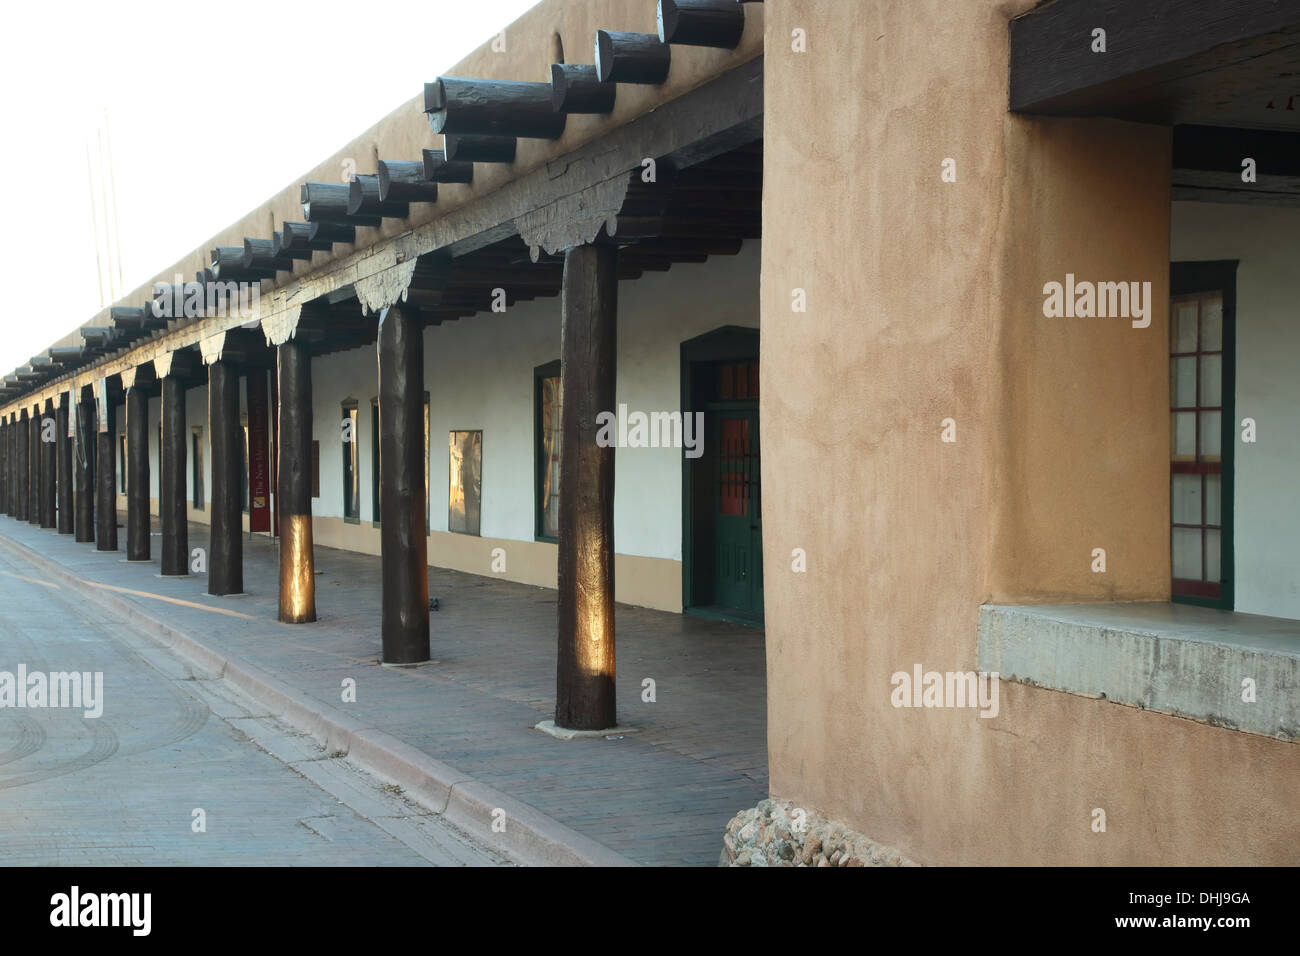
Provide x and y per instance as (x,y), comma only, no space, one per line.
(34,469)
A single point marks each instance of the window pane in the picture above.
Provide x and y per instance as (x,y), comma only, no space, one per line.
(1212,539)
(1184,435)
(1211,380)
(1213,489)
(1187,553)
(465,454)
(1211,425)
(1185,327)
(1185,494)
(1212,324)
(1182,382)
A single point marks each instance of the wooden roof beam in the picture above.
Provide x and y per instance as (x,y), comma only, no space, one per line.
(712,23)
(492,108)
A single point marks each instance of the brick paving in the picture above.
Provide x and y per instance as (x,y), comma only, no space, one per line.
(662,795)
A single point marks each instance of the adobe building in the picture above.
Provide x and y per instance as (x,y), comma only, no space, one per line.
(989,313)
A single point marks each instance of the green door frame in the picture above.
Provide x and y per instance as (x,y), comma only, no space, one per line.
(727,343)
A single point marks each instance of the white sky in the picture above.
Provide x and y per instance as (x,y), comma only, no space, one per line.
(286,84)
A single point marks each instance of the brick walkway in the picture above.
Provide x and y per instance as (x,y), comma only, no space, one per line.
(659,796)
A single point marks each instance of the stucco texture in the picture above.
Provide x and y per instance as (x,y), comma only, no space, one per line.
(924,302)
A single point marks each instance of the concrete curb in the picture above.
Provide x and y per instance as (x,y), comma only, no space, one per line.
(530,836)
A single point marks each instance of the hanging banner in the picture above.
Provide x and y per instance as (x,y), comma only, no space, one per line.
(70,404)
(259,459)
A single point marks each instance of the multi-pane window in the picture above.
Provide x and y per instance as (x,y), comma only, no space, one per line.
(548,451)
(1196,388)
(351,465)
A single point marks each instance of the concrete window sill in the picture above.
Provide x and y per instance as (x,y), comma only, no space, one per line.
(1171,658)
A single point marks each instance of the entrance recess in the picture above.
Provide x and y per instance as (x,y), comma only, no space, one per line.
(722,523)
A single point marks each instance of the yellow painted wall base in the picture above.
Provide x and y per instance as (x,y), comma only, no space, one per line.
(646,582)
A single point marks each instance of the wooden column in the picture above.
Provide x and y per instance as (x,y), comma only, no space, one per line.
(106,481)
(172,514)
(7,451)
(22,435)
(34,468)
(84,519)
(63,453)
(49,464)
(584,697)
(137,474)
(293,483)
(226,548)
(401,463)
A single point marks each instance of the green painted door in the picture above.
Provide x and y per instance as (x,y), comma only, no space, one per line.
(738,548)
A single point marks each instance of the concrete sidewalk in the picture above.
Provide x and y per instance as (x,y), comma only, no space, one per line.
(459,731)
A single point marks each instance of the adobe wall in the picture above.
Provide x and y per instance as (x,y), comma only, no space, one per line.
(924,302)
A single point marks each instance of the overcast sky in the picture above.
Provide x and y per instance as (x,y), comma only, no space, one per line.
(212,108)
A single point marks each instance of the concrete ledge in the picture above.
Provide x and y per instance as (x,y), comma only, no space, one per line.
(1176,659)
(529,835)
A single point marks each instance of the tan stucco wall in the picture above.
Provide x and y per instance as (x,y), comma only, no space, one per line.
(924,302)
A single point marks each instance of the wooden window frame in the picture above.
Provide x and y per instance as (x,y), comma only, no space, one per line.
(1186,280)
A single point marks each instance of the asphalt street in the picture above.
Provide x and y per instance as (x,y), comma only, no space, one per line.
(179,769)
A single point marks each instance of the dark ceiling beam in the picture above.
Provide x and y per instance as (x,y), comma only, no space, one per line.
(577,88)
(439,169)
(228,266)
(285,251)
(631,58)
(1161,56)
(261,254)
(363,200)
(402,181)
(328,202)
(711,23)
(67,355)
(492,108)
(471,148)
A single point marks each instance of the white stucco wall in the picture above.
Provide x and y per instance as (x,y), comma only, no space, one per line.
(1266,241)
(196,413)
(479,375)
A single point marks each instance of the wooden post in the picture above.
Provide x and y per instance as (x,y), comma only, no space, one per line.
(172,513)
(403,545)
(85,504)
(64,454)
(49,464)
(226,550)
(137,474)
(34,468)
(293,483)
(21,435)
(106,481)
(584,697)
(7,451)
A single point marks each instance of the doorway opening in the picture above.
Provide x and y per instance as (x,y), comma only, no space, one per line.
(722,517)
